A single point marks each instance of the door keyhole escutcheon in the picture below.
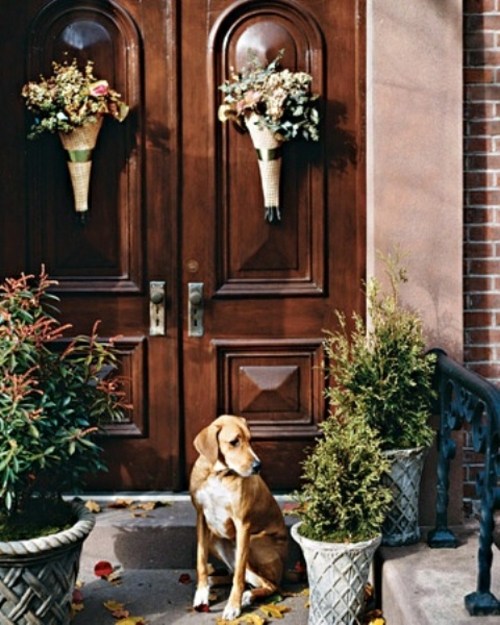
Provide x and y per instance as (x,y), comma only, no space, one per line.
(157,308)
(195,309)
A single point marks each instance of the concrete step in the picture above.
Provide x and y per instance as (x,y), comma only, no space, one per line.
(419,585)
(423,586)
(163,538)
(154,550)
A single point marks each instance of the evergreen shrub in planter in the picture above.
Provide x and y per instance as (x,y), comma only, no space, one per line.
(380,370)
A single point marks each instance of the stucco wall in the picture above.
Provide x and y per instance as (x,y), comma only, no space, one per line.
(414,170)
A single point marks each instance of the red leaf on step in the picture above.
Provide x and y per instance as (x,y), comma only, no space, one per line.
(204,607)
(185,578)
(103,568)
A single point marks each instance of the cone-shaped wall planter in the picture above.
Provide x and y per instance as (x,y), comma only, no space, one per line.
(268,150)
(79,144)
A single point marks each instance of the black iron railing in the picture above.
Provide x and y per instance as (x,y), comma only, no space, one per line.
(466,398)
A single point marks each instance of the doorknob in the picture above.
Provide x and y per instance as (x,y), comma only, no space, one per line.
(195,309)
(157,308)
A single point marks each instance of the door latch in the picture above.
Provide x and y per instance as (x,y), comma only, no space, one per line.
(195,309)
(157,308)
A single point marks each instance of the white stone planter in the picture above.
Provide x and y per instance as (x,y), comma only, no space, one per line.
(401,525)
(337,574)
(37,577)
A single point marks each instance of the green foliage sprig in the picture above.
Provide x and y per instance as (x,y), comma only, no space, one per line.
(52,402)
(282,98)
(69,98)
(342,498)
(382,371)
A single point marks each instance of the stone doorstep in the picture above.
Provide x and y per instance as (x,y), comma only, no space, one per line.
(419,585)
(163,538)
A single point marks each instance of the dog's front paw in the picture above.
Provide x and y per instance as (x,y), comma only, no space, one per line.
(231,612)
(246,598)
(201,598)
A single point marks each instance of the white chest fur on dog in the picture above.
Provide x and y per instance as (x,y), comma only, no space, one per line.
(216,500)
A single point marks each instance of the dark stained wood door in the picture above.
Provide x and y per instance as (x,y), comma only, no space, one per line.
(269,289)
(175,198)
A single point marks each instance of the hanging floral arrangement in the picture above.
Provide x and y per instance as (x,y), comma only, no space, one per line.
(275,105)
(72,102)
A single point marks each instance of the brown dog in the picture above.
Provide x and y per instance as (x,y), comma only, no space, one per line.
(238,520)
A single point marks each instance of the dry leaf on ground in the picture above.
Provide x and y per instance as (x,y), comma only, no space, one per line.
(93,506)
(273,610)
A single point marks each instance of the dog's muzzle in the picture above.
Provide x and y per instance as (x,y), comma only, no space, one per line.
(256,466)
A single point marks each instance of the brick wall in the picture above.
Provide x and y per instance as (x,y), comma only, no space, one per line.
(481,202)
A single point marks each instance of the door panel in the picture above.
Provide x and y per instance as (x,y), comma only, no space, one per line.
(175,196)
(129,237)
(269,289)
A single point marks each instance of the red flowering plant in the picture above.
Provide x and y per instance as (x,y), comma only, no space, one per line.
(70,98)
(53,401)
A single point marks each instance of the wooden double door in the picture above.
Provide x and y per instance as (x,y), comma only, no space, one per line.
(218,311)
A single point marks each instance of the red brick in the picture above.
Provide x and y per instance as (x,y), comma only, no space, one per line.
(477,283)
(489,371)
(480,110)
(486,161)
(487,92)
(478,215)
(484,127)
(478,144)
(483,267)
(482,319)
(478,6)
(490,196)
(484,301)
(483,232)
(477,180)
(485,337)
(476,354)
(479,250)
(479,74)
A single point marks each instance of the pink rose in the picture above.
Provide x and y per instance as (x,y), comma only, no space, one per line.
(99,88)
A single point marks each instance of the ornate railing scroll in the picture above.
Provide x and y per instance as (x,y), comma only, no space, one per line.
(464,397)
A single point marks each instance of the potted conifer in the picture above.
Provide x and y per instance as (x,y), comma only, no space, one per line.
(54,396)
(380,369)
(343,503)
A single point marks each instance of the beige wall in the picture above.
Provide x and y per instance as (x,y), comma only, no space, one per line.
(414,168)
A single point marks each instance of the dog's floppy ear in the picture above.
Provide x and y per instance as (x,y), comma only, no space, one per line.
(206,443)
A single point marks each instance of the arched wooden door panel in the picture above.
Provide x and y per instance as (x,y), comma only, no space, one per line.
(175,198)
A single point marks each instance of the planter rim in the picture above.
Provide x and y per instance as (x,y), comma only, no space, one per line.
(405,451)
(330,546)
(65,538)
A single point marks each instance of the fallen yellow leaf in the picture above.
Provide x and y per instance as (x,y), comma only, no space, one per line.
(77,607)
(273,610)
(246,619)
(112,605)
(131,620)
(93,506)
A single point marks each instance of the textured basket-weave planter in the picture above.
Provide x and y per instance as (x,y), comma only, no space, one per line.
(79,144)
(401,525)
(337,574)
(37,577)
(268,150)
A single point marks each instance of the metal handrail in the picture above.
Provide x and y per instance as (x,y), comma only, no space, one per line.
(464,397)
